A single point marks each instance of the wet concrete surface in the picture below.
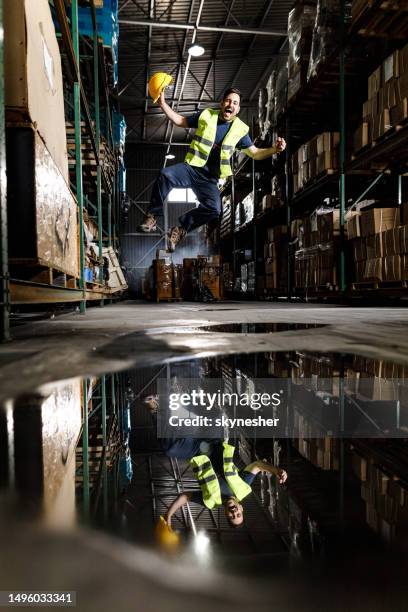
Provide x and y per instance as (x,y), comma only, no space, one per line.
(135,333)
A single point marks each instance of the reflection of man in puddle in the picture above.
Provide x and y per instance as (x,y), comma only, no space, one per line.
(220,481)
(221,484)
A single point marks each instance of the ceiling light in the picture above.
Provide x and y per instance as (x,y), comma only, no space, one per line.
(170,156)
(196,50)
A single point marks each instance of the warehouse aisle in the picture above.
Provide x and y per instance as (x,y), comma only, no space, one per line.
(112,337)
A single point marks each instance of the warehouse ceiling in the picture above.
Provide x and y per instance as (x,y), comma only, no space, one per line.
(243,41)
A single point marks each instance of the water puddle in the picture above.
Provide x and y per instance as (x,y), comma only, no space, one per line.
(325,486)
(259,328)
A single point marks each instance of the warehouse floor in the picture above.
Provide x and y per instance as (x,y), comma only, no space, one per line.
(135,333)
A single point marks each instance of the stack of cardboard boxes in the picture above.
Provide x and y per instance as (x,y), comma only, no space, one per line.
(314,158)
(386,499)
(379,239)
(315,239)
(42,212)
(276,258)
(387,99)
(209,274)
(324,452)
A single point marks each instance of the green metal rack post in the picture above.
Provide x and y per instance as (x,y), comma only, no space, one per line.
(4,272)
(104,450)
(98,144)
(85,452)
(342,147)
(78,153)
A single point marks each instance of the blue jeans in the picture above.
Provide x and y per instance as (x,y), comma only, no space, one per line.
(204,186)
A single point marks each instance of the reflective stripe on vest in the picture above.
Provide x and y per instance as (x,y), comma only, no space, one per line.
(208,481)
(204,138)
(239,487)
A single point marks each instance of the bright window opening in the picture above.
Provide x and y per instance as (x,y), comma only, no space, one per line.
(182,195)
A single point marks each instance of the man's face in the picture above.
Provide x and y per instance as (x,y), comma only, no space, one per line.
(230,107)
(234,511)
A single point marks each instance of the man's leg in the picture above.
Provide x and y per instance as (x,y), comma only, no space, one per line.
(208,195)
(173,176)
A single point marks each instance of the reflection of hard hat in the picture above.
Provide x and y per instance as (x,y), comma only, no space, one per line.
(166,536)
(157,83)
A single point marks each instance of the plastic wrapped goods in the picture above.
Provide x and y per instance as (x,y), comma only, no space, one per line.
(108,28)
(300,31)
(270,118)
(281,91)
(262,97)
(326,33)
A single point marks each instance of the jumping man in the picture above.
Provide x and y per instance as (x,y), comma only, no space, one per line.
(218,133)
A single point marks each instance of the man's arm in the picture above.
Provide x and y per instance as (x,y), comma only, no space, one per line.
(174,117)
(180,501)
(263,466)
(260,154)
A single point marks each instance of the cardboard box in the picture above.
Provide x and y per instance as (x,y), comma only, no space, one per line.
(381,124)
(403,239)
(324,162)
(361,137)
(359,270)
(390,67)
(403,60)
(328,225)
(388,96)
(400,112)
(373,269)
(374,82)
(404,267)
(359,249)
(392,268)
(327,142)
(33,75)
(391,241)
(42,212)
(353,225)
(378,220)
(370,108)
(404,213)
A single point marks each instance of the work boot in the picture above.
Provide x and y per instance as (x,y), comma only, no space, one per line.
(149,224)
(176,235)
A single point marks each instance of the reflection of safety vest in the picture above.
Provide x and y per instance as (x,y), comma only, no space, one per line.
(208,481)
(204,139)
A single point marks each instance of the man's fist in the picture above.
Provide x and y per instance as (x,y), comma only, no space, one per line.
(280,145)
(161,98)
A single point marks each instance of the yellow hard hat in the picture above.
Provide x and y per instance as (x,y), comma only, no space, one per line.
(157,83)
(166,537)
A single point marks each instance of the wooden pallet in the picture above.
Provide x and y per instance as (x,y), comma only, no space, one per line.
(378,285)
(382,18)
(169,300)
(34,271)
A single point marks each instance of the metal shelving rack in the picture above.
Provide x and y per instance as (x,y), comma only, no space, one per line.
(4,273)
(352,181)
(90,99)
(101,403)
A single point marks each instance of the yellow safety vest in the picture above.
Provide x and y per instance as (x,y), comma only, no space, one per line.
(204,139)
(208,481)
